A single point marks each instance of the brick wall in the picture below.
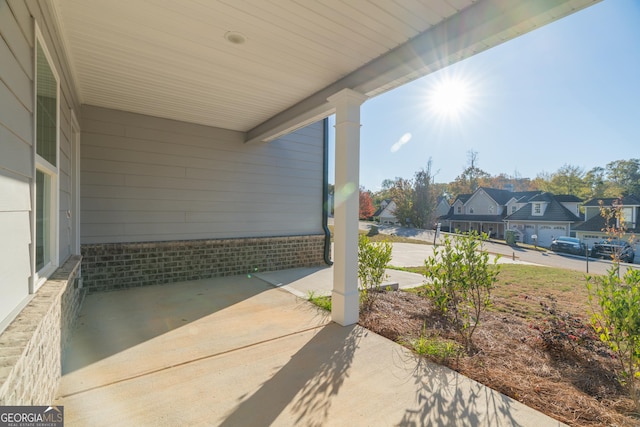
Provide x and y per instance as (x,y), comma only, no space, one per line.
(32,345)
(112,266)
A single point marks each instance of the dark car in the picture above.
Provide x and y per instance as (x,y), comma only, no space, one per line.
(606,249)
(566,244)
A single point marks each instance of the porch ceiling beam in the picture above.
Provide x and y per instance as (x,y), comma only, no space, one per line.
(485,24)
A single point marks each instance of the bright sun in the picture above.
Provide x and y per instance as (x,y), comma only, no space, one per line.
(449,97)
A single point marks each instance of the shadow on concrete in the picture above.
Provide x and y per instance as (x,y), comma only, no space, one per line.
(311,379)
(111,322)
(444,398)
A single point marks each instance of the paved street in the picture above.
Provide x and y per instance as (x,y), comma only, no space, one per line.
(540,257)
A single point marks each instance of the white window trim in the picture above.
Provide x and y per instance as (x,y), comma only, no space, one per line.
(40,276)
(75,192)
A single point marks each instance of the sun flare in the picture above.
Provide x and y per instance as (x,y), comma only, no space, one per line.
(449,97)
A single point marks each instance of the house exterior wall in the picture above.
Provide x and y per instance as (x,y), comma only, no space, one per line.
(166,201)
(150,179)
(34,324)
(17,43)
(16,161)
(481,204)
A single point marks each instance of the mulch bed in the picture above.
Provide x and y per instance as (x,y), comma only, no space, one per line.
(574,384)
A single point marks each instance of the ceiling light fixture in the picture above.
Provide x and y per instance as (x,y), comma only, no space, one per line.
(235,37)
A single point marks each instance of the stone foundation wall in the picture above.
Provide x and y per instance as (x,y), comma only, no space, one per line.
(32,345)
(111,266)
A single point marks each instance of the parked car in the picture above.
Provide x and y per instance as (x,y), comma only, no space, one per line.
(570,245)
(606,249)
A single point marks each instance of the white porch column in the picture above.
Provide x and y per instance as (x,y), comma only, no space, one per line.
(345,299)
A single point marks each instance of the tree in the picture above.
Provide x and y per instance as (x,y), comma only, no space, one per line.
(471,177)
(624,176)
(424,198)
(366,205)
(402,195)
(567,179)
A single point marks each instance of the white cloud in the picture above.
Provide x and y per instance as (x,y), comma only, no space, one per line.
(403,140)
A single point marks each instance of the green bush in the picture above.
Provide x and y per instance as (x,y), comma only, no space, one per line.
(616,320)
(373,259)
(460,279)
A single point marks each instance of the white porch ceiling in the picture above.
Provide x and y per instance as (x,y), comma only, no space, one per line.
(170,58)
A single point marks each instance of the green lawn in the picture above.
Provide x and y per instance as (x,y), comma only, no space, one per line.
(387,238)
(521,288)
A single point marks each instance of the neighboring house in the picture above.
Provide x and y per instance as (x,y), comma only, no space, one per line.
(170,141)
(385,214)
(441,211)
(545,216)
(484,210)
(592,229)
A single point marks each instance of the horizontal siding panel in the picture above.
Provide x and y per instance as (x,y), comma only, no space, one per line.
(111,217)
(206,230)
(14,76)
(15,193)
(102,179)
(230,163)
(255,153)
(117,192)
(128,168)
(124,118)
(184,181)
(12,34)
(14,115)
(23,18)
(14,259)
(101,127)
(116,205)
(16,154)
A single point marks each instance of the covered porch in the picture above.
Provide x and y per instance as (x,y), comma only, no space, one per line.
(236,351)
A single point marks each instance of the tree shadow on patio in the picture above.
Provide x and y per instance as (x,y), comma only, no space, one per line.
(310,380)
(445,398)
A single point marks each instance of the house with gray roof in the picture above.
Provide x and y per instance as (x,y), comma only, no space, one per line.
(591,230)
(543,217)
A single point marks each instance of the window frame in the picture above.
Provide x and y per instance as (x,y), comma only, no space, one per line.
(40,275)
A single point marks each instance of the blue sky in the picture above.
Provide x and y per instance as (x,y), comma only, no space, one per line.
(566,93)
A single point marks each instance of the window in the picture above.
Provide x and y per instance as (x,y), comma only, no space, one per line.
(536,208)
(47,125)
(459,209)
(514,208)
(490,209)
(470,210)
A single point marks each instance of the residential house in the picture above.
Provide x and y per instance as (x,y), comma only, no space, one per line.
(484,210)
(169,141)
(592,230)
(385,214)
(441,211)
(544,216)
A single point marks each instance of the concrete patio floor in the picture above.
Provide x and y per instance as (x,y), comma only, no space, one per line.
(236,351)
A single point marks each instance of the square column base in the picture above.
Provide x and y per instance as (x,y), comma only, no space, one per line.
(344,308)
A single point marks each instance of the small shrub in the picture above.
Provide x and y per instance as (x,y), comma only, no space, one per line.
(460,281)
(322,301)
(560,331)
(373,259)
(435,348)
(616,320)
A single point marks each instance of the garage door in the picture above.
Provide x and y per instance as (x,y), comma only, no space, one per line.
(545,235)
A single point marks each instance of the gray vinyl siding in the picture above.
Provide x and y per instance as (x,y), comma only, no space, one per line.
(152,179)
(16,145)
(16,159)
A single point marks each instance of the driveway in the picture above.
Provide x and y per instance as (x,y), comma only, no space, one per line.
(235,351)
